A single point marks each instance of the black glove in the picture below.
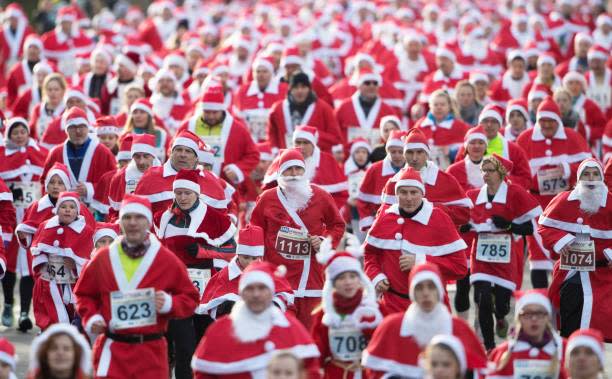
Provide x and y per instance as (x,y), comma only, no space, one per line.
(501,222)
(524,229)
(465,228)
(192,249)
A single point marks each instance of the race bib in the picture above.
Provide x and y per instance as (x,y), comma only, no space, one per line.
(347,344)
(130,185)
(215,143)
(493,248)
(354,183)
(132,309)
(439,155)
(551,182)
(372,135)
(292,243)
(57,270)
(199,278)
(533,369)
(24,194)
(580,257)
(257,120)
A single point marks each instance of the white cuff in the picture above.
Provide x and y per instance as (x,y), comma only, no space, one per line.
(90,192)
(378,278)
(2,268)
(91,321)
(365,223)
(167,307)
(567,171)
(236,171)
(337,148)
(607,253)
(280,303)
(568,238)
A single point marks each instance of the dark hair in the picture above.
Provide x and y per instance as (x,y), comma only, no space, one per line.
(43,358)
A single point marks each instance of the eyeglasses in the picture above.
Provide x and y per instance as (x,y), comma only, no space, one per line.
(488,170)
(370,83)
(533,315)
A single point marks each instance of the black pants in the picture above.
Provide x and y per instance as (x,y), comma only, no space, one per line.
(181,346)
(200,324)
(539,278)
(462,296)
(571,302)
(26,285)
(483,296)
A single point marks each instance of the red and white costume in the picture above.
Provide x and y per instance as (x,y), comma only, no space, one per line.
(40,118)
(19,78)
(599,90)
(438,80)
(170,109)
(12,42)
(442,136)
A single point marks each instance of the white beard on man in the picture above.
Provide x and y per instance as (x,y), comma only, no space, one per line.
(249,326)
(591,195)
(296,189)
(423,326)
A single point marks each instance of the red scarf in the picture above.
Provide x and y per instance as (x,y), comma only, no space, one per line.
(346,306)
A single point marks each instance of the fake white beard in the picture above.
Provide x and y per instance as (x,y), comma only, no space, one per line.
(590,199)
(248,326)
(297,190)
(165,28)
(162,105)
(310,168)
(424,326)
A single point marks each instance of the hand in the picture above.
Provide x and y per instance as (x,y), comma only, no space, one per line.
(565,250)
(465,228)
(382,286)
(81,189)
(500,222)
(160,299)
(315,242)
(230,174)
(98,327)
(406,262)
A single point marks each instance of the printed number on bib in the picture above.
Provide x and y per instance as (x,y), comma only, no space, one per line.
(347,344)
(580,257)
(57,270)
(131,309)
(440,157)
(292,243)
(257,120)
(24,194)
(551,182)
(372,135)
(493,248)
(532,369)
(215,144)
(199,278)
(354,182)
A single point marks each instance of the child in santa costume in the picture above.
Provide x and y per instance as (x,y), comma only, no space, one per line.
(585,354)
(8,359)
(60,248)
(397,342)
(253,331)
(349,314)
(501,211)
(104,234)
(535,347)
(405,234)
(108,132)
(136,274)
(445,357)
(355,169)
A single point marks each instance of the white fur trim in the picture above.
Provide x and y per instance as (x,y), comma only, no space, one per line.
(532,298)
(414,146)
(341,265)
(426,275)
(181,141)
(187,184)
(252,251)
(136,208)
(291,163)
(105,232)
(213,106)
(167,307)
(8,359)
(256,277)
(455,345)
(586,341)
(91,321)
(141,107)
(550,115)
(299,134)
(410,183)
(85,364)
(142,148)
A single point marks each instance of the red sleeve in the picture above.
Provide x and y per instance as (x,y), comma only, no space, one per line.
(452,266)
(248,157)
(21,106)
(459,214)
(273,127)
(87,290)
(372,261)
(521,173)
(320,337)
(330,136)
(334,224)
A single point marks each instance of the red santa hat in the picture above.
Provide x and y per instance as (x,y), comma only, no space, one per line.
(187,139)
(260,273)
(446,51)
(475,133)
(251,241)
(309,133)
(416,140)
(423,272)
(107,125)
(546,59)
(291,55)
(550,110)
(506,163)
(7,353)
(265,151)
(589,162)
(61,171)
(32,40)
(603,19)
(66,13)
(591,338)
(531,49)
(201,68)
(519,105)
(574,76)
(125,146)
(410,178)
(533,296)
(337,263)
(213,100)
(176,58)
(129,60)
(478,76)
(538,91)
(67,196)
(136,204)
(266,62)
(206,155)
(13,122)
(360,142)
(101,52)
(85,366)
(583,37)
(390,118)
(187,179)
(13,10)
(598,52)
(492,111)
(515,54)
(396,139)
(211,191)
(74,116)
(142,104)
(290,158)
(43,67)
(366,74)
(455,344)
(164,73)
(75,91)
(106,229)
(143,143)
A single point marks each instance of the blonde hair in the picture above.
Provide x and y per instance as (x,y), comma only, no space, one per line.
(287,354)
(554,362)
(430,347)
(452,104)
(59,78)
(129,125)
(499,167)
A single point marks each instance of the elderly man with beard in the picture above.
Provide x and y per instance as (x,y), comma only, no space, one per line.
(295,216)
(576,225)
(252,332)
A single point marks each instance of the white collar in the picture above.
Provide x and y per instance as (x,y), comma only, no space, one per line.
(44,203)
(446,124)
(233,270)
(271,88)
(77,225)
(538,136)
(421,217)
(168,170)
(8,151)
(387,167)
(430,174)
(500,195)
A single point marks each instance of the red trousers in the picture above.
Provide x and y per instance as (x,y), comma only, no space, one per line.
(304,306)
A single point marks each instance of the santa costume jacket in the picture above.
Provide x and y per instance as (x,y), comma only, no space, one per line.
(354,122)
(524,354)
(372,186)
